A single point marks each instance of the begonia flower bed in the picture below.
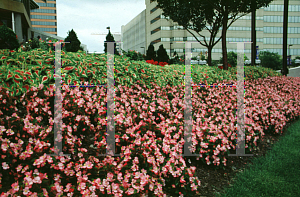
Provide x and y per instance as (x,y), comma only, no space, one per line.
(149,121)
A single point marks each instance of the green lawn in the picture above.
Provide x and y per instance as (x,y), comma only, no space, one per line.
(276,174)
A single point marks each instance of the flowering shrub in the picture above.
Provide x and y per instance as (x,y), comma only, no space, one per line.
(50,46)
(148,128)
(156,62)
(221,67)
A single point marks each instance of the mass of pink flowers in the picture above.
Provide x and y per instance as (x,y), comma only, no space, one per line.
(149,135)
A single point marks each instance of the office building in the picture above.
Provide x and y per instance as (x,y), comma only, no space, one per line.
(31,18)
(16,15)
(45,18)
(150,26)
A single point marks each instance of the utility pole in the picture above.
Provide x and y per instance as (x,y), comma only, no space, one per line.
(285,29)
(253,33)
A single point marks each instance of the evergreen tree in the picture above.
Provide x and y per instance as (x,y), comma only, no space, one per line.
(74,44)
(110,38)
(150,54)
(162,55)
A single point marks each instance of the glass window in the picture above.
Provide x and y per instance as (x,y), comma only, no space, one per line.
(45,29)
(43,11)
(47,4)
(43,23)
(42,17)
(291,30)
(165,39)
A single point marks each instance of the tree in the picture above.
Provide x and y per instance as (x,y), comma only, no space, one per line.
(150,54)
(197,15)
(110,38)
(162,55)
(74,44)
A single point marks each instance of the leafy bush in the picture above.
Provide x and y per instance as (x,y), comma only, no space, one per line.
(34,43)
(74,44)
(194,58)
(232,58)
(8,39)
(214,63)
(270,60)
(134,55)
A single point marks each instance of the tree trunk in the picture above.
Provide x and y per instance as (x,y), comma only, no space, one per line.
(224,49)
(209,56)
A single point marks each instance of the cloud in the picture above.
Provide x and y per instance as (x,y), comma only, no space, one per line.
(93,16)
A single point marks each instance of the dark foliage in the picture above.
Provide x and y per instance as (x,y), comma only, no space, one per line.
(8,39)
(74,44)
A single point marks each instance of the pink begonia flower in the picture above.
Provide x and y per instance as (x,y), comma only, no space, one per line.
(88,165)
(5,166)
(26,191)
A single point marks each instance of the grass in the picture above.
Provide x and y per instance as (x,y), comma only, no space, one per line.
(276,174)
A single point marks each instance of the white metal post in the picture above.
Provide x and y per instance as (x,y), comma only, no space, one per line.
(13,22)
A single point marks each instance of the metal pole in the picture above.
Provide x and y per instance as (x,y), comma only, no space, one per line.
(253,33)
(285,28)
(289,55)
(13,21)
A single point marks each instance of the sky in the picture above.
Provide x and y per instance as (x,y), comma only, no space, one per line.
(93,16)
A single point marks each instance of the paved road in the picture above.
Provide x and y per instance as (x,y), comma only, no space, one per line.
(293,72)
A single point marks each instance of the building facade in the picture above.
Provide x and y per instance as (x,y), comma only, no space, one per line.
(15,14)
(31,18)
(269,28)
(45,18)
(134,34)
(118,39)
